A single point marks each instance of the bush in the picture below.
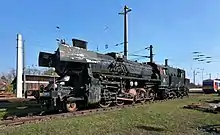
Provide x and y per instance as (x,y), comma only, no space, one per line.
(9,88)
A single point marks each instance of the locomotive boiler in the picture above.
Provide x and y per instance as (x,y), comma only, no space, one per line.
(88,77)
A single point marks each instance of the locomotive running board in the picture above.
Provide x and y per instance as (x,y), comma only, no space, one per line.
(125,77)
(127,99)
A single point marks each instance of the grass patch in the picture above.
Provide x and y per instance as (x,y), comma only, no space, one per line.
(159,118)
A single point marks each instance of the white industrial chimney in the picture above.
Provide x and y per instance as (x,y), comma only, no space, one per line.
(19,66)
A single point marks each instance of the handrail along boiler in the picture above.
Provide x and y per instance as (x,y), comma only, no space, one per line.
(88,77)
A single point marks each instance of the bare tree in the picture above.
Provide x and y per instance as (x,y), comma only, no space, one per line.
(6,79)
(8,76)
(11,75)
(3,78)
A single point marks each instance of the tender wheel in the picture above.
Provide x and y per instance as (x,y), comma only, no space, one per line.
(71,107)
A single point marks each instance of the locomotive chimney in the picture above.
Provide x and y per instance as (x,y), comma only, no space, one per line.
(166,60)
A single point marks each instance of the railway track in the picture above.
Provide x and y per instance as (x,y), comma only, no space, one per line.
(35,119)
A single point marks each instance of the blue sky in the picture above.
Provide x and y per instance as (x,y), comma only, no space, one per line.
(175,28)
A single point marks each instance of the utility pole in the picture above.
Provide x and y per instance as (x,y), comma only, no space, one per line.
(202,69)
(151,53)
(24,74)
(202,74)
(194,76)
(19,66)
(126,10)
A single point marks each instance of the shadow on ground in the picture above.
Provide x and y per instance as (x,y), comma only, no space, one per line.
(142,129)
(150,128)
(213,129)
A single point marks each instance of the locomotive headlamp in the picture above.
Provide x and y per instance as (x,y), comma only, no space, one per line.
(135,83)
(131,83)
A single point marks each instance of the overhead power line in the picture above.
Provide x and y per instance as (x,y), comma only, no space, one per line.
(146,48)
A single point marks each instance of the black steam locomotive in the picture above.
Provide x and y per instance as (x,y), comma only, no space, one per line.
(87,77)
